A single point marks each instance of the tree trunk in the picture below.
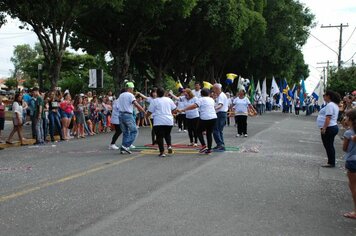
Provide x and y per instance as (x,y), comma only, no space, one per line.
(116,71)
(54,71)
(158,81)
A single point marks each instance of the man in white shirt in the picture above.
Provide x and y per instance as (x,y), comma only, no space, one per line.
(221,108)
(126,103)
(197,89)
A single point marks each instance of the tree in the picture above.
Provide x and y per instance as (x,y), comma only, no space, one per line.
(52,22)
(22,56)
(343,81)
(11,83)
(126,26)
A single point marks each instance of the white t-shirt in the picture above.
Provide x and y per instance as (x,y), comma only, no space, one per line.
(181,103)
(149,99)
(17,108)
(115,113)
(331,109)
(222,99)
(206,108)
(320,120)
(197,93)
(191,114)
(241,105)
(126,100)
(161,109)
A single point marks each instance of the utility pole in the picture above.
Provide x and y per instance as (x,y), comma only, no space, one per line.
(341,26)
(325,71)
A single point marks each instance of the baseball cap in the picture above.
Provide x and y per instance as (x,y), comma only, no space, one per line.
(130,85)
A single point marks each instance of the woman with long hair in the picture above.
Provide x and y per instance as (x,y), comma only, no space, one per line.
(54,116)
(327,122)
(241,104)
(17,119)
(66,114)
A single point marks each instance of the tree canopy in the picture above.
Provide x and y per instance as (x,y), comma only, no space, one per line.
(181,39)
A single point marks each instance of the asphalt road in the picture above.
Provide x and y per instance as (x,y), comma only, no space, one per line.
(273,186)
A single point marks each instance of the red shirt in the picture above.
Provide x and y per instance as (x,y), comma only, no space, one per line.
(2,110)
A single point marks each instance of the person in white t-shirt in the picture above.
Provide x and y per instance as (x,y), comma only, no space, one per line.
(207,119)
(17,119)
(327,122)
(241,104)
(197,89)
(161,109)
(126,102)
(221,108)
(192,118)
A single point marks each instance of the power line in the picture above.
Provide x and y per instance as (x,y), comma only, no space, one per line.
(341,26)
(350,58)
(349,37)
(324,43)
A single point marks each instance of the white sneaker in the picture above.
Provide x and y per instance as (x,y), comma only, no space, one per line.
(246,135)
(180,130)
(132,146)
(237,135)
(195,145)
(113,147)
(185,131)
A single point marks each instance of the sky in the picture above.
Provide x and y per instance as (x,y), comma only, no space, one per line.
(327,12)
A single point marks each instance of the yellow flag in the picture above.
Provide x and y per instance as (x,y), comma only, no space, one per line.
(178,85)
(207,85)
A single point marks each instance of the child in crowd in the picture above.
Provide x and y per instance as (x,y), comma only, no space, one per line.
(349,146)
(79,116)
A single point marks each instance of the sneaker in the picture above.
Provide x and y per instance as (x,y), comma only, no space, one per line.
(195,145)
(216,147)
(220,149)
(132,147)
(162,155)
(113,147)
(170,150)
(237,135)
(125,150)
(190,144)
(245,135)
(203,149)
(185,131)
(208,151)
(180,130)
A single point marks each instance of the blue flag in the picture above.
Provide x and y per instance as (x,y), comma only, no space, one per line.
(302,92)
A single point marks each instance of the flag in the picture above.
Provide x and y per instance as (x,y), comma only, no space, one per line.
(274,88)
(318,92)
(252,91)
(179,85)
(258,88)
(207,85)
(230,78)
(286,97)
(302,92)
(240,85)
(291,92)
(264,91)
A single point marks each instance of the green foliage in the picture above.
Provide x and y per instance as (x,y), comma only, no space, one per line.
(11,83)
(343,81)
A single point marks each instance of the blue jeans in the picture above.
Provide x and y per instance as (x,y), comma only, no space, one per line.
(128,127)
(219,128)
(39,131)
(54,121)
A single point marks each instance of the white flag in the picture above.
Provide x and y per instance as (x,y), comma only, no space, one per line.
(274,88)
(264,91)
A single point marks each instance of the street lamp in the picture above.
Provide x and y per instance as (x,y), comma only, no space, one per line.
(40,83)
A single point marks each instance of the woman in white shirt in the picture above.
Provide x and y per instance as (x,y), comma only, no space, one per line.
(161,109)
(17,119)
(327,122)
(207,119)
(241,104)
(192,118)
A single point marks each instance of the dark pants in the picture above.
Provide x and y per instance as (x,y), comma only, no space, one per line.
(208,126)
(54,121)
(328,142)
(181,121)
(297,111)
(45,128)
(219,128)
(241,122)
(163,132)
(117,134)
(193,129)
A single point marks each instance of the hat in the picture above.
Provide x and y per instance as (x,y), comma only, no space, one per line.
(130,85)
